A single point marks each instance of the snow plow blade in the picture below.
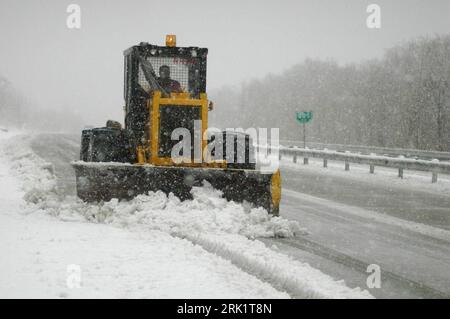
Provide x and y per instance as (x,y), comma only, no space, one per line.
(105,181)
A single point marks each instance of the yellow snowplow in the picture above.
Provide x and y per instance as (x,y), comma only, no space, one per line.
(164,144)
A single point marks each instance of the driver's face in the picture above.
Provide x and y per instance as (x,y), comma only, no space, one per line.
(164,73)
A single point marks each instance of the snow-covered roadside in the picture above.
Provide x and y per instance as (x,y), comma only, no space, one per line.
(38,253)
(221,227)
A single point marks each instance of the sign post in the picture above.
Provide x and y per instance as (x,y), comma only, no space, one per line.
(303,118)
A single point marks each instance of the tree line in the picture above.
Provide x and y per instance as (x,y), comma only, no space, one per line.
(19,112)
(400,100)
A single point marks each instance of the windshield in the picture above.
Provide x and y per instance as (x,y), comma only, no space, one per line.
(182,70)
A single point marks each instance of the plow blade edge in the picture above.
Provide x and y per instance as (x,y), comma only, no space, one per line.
(105,181)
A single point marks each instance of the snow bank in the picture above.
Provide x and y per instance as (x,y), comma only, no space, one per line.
(225,228)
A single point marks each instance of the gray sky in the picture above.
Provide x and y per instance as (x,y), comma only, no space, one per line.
(82,70)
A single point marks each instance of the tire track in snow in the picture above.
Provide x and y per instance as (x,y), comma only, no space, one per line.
(298,279)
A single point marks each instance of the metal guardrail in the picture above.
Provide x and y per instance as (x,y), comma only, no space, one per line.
(433,166)
(421,154)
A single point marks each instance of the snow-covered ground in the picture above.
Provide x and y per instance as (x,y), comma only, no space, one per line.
(151,247)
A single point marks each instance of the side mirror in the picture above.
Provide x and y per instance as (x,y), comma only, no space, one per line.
(211,106)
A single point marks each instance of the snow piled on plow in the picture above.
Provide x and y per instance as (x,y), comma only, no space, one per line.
(207,212)
(224,228)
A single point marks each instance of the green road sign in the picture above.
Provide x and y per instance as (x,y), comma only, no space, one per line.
(304,117)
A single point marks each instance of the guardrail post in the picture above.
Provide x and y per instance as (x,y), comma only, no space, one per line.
(295,158)
(372,169)
(400,172)
(434,174)
(347,166)
(434,177)
(305,160)
(325,162)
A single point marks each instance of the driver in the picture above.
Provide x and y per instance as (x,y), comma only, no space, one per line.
(169,85)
